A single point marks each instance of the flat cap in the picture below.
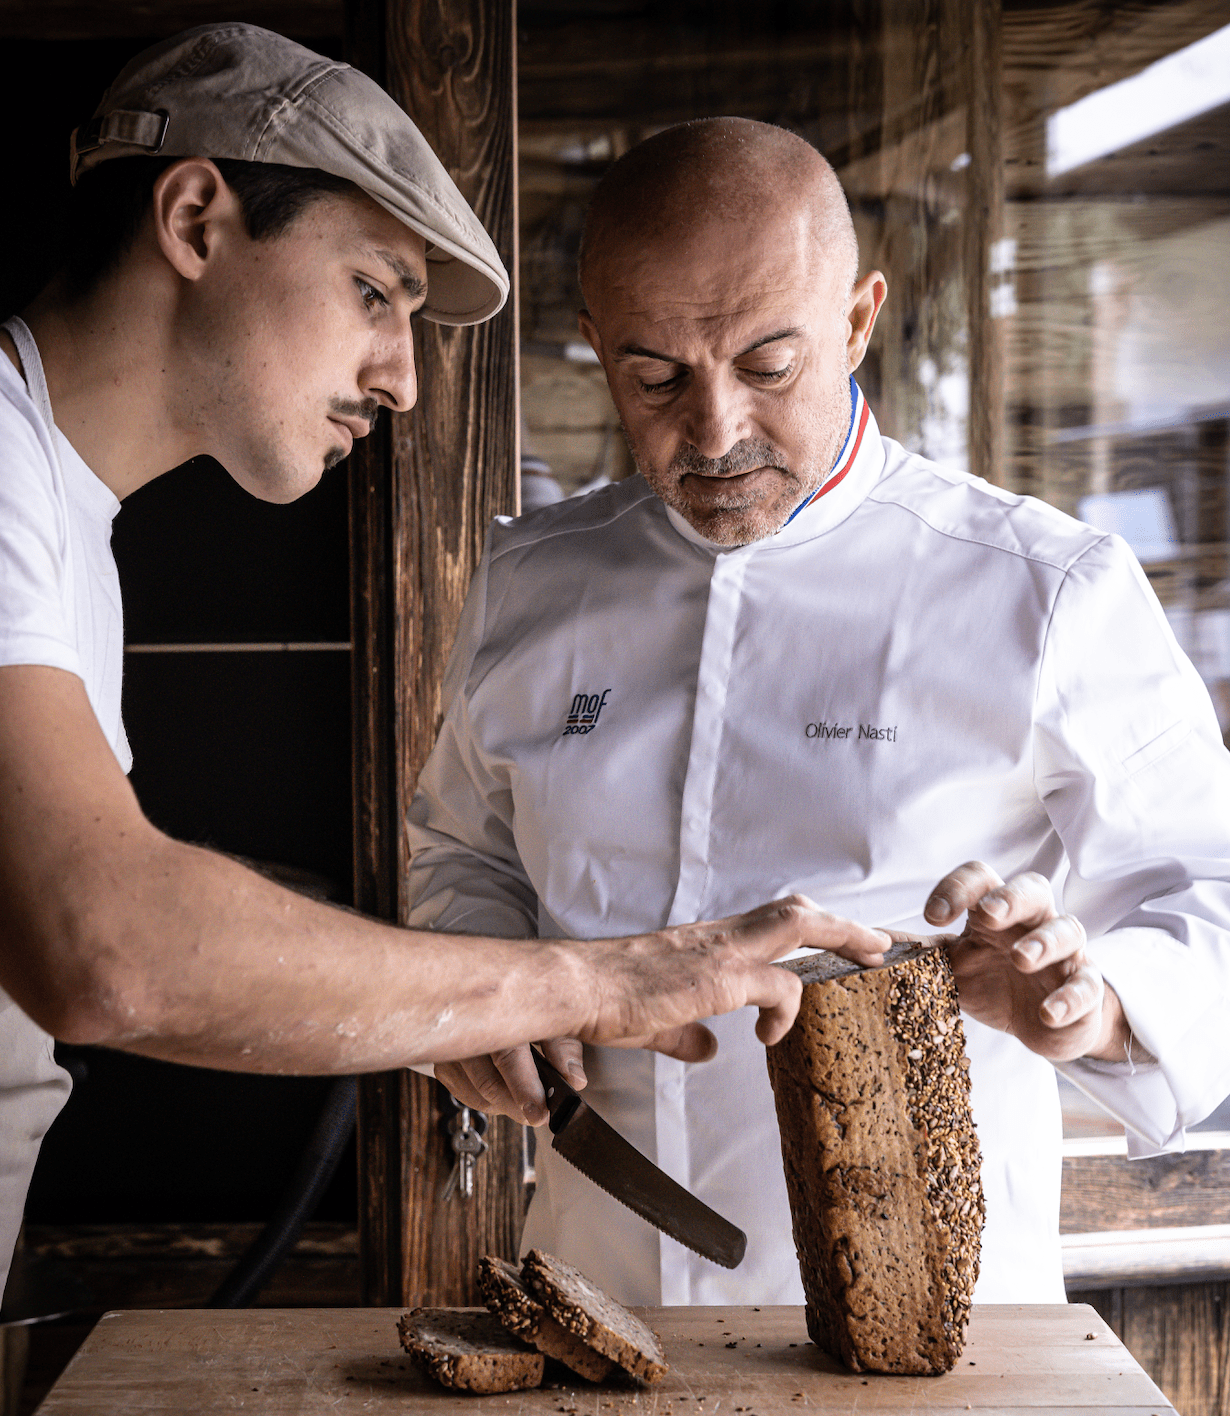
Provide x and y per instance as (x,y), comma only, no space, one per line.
(238,91)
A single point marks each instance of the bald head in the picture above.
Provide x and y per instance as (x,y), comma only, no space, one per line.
(725,171)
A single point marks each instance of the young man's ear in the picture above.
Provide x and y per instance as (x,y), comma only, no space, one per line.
(585,323)
(191,201)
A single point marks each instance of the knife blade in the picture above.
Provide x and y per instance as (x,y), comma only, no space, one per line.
(824,965)
(602,1155)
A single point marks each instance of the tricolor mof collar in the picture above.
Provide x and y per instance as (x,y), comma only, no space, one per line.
(859,414)
(821,510)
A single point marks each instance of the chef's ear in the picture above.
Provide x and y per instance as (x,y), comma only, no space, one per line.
(865,301)
(585,323)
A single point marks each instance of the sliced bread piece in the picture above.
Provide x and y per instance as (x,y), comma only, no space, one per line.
(469,1348)
(522,1314)
(583,1309)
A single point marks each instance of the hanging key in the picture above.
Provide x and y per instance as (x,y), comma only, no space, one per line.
(465,1135)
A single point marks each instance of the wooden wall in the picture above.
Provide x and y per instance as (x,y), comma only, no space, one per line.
(422,498)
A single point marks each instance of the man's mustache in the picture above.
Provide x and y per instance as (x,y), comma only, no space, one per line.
(356,408)
(745,456)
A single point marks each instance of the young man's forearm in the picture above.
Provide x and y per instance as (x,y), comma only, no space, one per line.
(197,959)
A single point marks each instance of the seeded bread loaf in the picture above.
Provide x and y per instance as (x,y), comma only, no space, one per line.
(506,1295)
(882,1165)
(470,1349)
(584,1310)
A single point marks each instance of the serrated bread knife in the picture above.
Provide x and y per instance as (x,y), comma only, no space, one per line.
(602,1155)
(822,965)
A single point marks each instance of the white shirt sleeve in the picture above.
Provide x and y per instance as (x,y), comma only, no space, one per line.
(465,876)
(34,553)
(1130,765)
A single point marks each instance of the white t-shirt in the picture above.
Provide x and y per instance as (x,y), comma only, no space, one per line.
(59,606)
(59,588)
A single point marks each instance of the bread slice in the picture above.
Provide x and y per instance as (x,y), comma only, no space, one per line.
(470,1349)
(584,1310)
(522,1314)
(882,1165)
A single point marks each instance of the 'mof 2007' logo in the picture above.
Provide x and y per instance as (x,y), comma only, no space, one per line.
(583,715)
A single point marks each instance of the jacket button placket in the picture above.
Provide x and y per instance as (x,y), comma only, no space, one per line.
(670,1076)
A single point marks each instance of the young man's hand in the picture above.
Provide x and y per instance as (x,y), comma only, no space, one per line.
(650,990)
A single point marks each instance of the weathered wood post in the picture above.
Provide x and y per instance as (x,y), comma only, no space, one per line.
(984,230)
(423,491)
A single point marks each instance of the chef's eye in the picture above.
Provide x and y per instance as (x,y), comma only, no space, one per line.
(372,298)
(660,386)
(770,375)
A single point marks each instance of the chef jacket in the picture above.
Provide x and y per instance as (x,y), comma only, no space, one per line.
(642,728)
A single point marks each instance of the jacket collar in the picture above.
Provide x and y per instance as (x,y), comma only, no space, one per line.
(856,470)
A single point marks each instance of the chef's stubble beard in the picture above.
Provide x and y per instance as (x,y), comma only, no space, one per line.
(740,525)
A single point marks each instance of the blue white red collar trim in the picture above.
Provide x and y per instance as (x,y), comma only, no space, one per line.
(859,414)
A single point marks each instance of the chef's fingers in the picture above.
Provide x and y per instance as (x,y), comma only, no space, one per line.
(796,922)
(1077,999)
(691,1043)
(1059,938)
(1022,902)
(565,1054)
(959,890)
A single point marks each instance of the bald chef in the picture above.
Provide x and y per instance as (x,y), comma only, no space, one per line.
(791,656)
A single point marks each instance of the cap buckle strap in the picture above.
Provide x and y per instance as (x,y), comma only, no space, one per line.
(138,129)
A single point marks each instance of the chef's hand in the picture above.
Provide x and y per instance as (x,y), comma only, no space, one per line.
(1021,966)
(648,991)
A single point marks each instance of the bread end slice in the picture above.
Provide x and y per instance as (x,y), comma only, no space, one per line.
(511,1301)
(582,1309)
(469,1349)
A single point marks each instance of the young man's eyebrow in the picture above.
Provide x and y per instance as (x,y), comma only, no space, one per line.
(637,351)
(413,284)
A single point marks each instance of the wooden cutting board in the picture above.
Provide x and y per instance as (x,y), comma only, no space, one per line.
(736,1361)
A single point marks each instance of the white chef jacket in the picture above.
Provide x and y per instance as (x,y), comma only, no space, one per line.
(643,728)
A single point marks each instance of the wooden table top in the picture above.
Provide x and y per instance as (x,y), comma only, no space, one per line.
(736,1361)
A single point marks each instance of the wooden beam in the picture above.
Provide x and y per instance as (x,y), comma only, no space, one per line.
(984,227)
(1111,1192)
(180,1265)
(422,498)
(1146,1258)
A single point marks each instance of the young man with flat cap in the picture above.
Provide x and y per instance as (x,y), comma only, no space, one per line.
(257,225)
(800,658)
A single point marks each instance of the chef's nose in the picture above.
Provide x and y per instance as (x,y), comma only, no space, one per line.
(713,417)
(391,376)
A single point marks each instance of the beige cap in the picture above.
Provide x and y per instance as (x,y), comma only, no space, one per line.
(237,91)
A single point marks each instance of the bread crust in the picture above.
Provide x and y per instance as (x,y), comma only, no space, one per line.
(882,1165)
(470,1349)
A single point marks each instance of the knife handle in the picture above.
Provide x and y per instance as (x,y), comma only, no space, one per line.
(562,1100)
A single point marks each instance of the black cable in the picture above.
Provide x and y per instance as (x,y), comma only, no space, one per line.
(317,1167)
